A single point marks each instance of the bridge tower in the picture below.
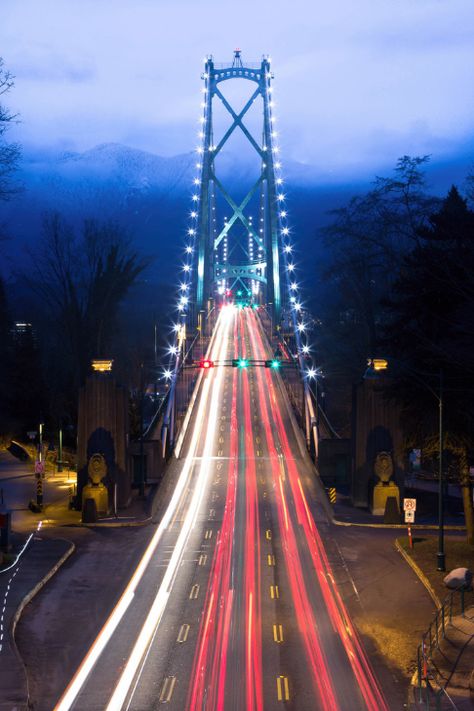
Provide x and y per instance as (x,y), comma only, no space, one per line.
(257,271)
(248,254)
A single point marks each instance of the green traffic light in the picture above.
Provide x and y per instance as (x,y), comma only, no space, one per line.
(275,364)
(243,363)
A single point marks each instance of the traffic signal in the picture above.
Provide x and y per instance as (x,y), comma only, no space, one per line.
(240,363)
(274,363)
(205,363)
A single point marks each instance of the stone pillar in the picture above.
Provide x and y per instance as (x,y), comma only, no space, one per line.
(103,429)
(375,428)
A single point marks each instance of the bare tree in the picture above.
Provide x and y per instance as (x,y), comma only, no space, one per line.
(82,279)
(9,152)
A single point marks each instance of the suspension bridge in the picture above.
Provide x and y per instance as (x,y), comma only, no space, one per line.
(234,604)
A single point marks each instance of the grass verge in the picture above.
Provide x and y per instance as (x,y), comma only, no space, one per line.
(459,554)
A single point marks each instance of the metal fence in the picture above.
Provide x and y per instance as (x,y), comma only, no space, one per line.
(430,692)
(193,348)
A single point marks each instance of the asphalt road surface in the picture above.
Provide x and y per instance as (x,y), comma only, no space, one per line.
(234,605)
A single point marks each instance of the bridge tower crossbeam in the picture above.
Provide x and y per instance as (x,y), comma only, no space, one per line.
(265,270)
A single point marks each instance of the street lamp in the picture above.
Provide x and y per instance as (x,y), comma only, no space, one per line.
(376,365)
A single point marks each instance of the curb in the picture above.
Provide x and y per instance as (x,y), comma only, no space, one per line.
(401,526)
(113,524)
(420,574)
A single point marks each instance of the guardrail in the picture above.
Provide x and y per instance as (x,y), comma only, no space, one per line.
(430,694)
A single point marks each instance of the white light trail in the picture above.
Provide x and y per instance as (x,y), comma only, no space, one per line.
(71,693)
(159,604)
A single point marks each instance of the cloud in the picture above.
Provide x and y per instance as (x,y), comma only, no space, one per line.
(354,81)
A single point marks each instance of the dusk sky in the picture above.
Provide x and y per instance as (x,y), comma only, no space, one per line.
(356,83)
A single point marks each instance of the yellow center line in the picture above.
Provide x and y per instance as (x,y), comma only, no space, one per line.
(274,592)
(167,689)
(183,633)
(278,633)
(283,691)
(194,592)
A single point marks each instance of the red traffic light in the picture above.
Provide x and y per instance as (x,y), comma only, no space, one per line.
(206,364)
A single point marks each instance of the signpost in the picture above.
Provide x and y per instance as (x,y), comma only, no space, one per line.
(409,507)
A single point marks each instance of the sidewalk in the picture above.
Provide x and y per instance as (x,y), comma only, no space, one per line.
(21,579)
(345,513)
(18,487)
(18,586)
(393,608)
(453,661)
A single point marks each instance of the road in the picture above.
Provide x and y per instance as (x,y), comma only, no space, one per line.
(234,604)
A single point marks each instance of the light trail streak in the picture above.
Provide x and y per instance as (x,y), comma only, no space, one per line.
(252,582)
(303,610)
(72,691)
(340,619)
(207,687)
(159,604)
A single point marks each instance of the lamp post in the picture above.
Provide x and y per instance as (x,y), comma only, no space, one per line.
(60,451)
(141,487)
(441,557)
(379,364)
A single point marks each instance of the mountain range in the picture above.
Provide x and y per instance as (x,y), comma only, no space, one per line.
(149,196)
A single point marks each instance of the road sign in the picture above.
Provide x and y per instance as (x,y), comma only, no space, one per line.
(409,516)
(332,494)
(409,504)
(39,467)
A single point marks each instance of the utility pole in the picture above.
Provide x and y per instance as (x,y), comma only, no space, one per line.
(60,450)
(141,489)
(441,558)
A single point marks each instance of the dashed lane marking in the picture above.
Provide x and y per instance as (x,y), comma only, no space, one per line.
(283,690)
(183,634)
(193,595)
(167,689)
(274,592)
(270,559)
(278,634)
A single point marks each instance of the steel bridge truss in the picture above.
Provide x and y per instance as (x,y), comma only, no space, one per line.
(265,270)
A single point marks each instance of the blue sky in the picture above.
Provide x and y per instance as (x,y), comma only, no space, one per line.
(357,83)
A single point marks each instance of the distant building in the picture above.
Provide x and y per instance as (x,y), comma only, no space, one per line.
(22,333)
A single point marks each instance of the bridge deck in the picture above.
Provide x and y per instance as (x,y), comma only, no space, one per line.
(237,607)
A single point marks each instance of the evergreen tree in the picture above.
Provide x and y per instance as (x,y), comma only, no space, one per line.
(429,335)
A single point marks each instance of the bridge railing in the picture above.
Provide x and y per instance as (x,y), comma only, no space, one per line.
(194,347)
(303,400)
